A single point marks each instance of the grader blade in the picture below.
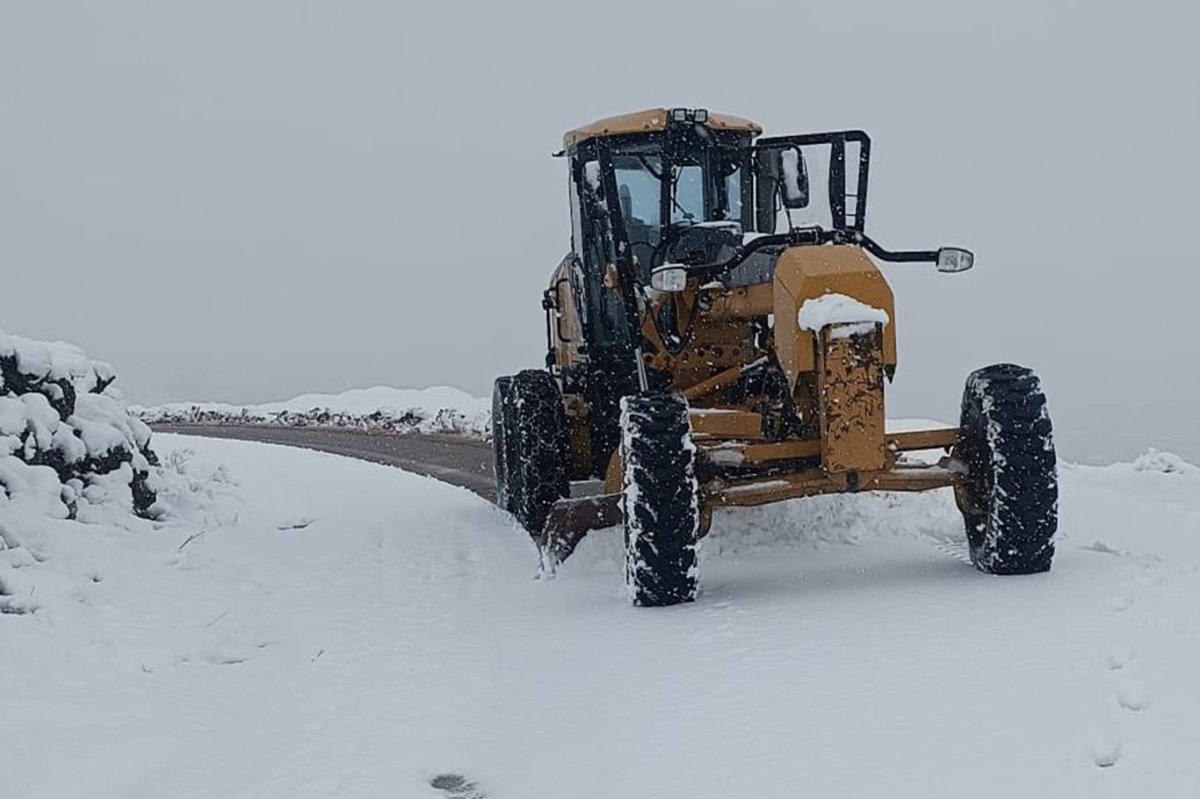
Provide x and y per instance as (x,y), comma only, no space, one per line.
(572,519)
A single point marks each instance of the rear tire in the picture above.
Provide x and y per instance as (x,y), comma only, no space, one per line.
(502,423)
(535,449)
(660,500)
(1009,499)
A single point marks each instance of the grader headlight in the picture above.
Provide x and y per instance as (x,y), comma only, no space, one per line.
(669,277)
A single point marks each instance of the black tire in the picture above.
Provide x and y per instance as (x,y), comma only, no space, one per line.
(502,423)
(535,446)
(660,501)
(1009,499)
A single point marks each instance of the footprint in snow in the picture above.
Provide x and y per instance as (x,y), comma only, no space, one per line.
(1103,548)
(1118,658)
(1133,695)
(1105,748)
(456,786)
(1119,603)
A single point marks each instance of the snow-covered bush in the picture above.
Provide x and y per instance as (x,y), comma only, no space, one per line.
(65,435)
(1156,460)
(438,409)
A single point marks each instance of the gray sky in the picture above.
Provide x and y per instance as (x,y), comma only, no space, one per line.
(244,200)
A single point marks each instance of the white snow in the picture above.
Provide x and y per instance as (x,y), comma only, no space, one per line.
(302,625)
(60,419)
(850,315)
(55,360)
(433,409)
(1154,460)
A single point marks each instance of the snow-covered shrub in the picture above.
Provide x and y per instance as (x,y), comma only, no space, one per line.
(1155,460)
(63,430)
(439,409)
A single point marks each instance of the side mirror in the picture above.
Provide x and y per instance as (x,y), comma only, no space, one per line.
(793,178)
(669,277)
(954,259)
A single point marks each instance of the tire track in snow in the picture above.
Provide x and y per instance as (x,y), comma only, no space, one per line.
(953,549)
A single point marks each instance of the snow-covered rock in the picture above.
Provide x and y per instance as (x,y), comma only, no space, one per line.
(1155,460)
(65,437)
(438,409)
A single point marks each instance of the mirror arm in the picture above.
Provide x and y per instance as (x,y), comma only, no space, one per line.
(803,236)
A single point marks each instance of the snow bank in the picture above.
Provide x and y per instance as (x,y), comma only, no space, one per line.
(838,309)
(65,437)
(438,409)
(54,552)
(274,637)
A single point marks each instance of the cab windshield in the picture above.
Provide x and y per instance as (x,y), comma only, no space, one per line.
(648,192)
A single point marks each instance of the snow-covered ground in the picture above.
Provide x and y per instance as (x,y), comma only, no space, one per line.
(304,625)
(438,409)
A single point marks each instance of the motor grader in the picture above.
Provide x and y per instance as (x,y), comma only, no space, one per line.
(720,335)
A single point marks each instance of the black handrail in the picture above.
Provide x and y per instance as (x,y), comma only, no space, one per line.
(814,235)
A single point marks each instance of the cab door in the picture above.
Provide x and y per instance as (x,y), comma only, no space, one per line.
(564,327)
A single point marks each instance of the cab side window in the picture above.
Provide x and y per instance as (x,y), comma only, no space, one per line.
(603,310)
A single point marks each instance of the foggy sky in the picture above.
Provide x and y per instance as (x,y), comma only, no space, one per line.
(245,201)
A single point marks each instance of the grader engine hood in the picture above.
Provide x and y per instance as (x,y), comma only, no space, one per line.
(834,323)
(809,273)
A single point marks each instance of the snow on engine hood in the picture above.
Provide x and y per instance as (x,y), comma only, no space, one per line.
(838,309)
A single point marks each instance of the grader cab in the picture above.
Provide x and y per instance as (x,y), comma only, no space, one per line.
(720,335)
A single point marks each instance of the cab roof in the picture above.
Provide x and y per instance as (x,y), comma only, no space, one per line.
(652,119)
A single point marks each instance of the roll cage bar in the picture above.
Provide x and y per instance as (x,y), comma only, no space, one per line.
(837,170)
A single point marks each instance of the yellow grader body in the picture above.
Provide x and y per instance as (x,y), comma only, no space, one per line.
(836,380)
(720,336)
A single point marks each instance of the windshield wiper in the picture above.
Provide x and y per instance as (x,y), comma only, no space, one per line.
(688,215)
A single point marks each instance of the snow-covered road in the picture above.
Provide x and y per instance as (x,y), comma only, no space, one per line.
(313,626)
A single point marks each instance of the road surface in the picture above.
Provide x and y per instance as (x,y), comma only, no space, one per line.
(465,462)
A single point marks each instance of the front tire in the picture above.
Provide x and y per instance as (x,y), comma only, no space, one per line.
(660,500)
(1009,499)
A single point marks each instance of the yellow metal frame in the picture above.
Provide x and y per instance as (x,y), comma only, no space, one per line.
(652,119)
(573,518)
(814,480)
(834,437)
